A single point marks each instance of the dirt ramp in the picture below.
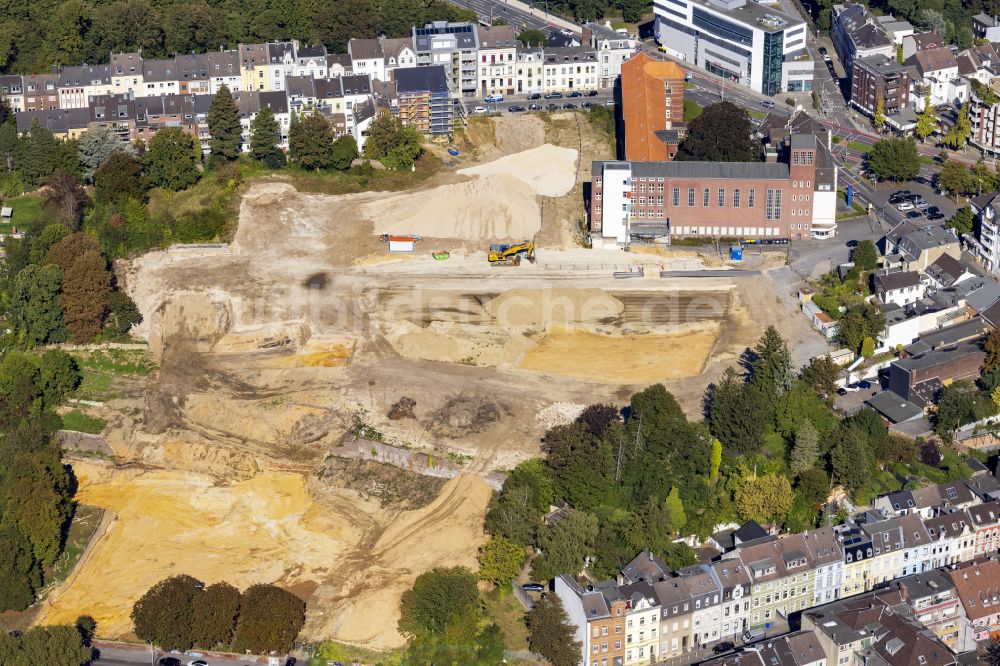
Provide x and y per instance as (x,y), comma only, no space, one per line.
(197,320)
(539,307)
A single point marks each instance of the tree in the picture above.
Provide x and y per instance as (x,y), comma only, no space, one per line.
(224,125)
(65,199)
(58,376)
(38,154)
(770,369)
(214,614)
(991,653)
(632,10)
(344,152)
(806,449)
(981,178)
(435,598)
(851,459)
(123,313)
(933,20)
(518,508)
(880,114)
(310,142)
(565,544)
(119,177)
(96,145)
(270,618)
(393,144)
(716,460)
(532,37)
(20,574)
(722,133)
(265,134)
(766,498)
(163,615)
(930,453)
(865,255)
(170,160)
(813,486)
(734,413)
(868,347)
(960,131)
(961,221)
(860,321)
(954,177)
(821,374)
(550,634)
(35,305)
(899,449)
(58,645)
(926,119)
(894,158)
(500,561)
(956,406)
(66,251)
(86,290)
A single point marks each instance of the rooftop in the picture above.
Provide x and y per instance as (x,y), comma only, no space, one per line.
(703,170)
(894,407)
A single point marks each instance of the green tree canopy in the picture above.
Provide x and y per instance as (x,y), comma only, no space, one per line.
(865,255)
(170,160)
(98,144)
(163,615)
(35,306)
(86,290)
(550,634)
(265,134)
(270,618)
(962,221)
(436,597)
(722,133)
(310,142)
(765,499)
(565,544)
(500,560)
(224,125)
(214,614)
(344,151)
(119,177)
(894,159)
(954,177)
(393,144)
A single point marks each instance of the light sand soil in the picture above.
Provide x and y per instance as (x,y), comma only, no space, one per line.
(358,558)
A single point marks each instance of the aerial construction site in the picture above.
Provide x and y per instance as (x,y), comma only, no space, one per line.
(239,458)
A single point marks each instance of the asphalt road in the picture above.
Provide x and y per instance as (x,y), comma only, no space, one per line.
(602,98)
(511,15)
(120,657)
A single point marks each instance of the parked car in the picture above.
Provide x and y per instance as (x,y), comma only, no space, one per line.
(724,646)
(912,198)
(921,204)
(915,215)
(609,102)
(533,587)
(822,50)
(569,105)
(198,662)
(515,108)
(169,661)
(534,107)
(852,388)
(575,93)
(587,105)
(535,96)
(905,206)
(865,384)
(841,391)
(567,32)
(767,104)
(553,107)
(493,99)
(591,93)
(479,109)
(553,95)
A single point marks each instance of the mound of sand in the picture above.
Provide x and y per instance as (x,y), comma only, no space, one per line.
(549,170)
(540,307)
(501,207)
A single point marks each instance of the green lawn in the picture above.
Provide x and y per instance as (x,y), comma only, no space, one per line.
(692,110)
(77,420)
(333,651)
(81,528)
(27,208)
(103,370)
(860,147)
(508,613)
(754,113)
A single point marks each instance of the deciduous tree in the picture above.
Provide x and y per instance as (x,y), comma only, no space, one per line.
(565,544)
(119,177)
(20,573)
(310,142)
(954,177)
(96,145)
(344,151)
(170,160)
(960,131)
(550,634)
(214,614)
(163,615)
(894,158)
(765,499)
(86,290)
(270,619)
(393,144)
(35,305)
(65,199)
(865,255)
(500,560)
(435,598)
(722,133)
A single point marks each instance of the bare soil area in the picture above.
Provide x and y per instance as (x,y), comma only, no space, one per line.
(305,330)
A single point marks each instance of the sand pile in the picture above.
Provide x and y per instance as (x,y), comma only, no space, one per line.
(549,170)
(539,307)
(457,343)
(501,207)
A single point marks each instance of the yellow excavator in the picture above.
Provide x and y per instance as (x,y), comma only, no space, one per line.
(510,255)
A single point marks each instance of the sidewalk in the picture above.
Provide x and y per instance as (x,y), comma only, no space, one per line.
(551,18)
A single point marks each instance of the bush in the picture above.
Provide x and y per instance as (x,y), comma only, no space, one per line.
(198,226)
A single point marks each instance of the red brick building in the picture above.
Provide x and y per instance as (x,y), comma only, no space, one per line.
(760,200)
(653,104)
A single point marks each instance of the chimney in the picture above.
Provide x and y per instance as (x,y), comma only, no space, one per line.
(902,591)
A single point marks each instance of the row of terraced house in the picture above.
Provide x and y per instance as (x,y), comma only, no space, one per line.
(750,582)
(422,78)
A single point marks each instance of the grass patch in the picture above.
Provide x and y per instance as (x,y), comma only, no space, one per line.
(81,529)
(363,179)
(692,110)
(104,370)
(859,147)
(688,85)
(508,613)
(77,420)
(334,651)
(27,208)
(754,113)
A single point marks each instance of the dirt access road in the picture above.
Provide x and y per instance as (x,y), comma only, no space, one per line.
(304,329)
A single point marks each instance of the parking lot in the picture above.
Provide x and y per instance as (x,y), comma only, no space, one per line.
(581,99)
(854,401)
(880,199)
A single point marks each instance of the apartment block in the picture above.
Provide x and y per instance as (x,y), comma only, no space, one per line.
(879,80)
(41,92)
(613,50)
(453,46)
(984,116)
(77,85)
(424,98)
(569,68)
(598,614)
(936,605)
(751,44)
(652,104)
(856,34)
(497,60)
(978,587)
(783,578)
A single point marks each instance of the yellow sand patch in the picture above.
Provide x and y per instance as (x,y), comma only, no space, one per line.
(614,359)
(331,358)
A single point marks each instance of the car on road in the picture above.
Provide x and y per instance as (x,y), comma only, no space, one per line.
(534,107)
(553,95)
(479,109)
(921,204)
(575,93)
(169,661)
(591,93)
(515,108)
(533,587)
(767,104)
(724,646)
(822,50)
(934,217)
(493,99)
(914,215)
(905,206)
(535,96)
(609,102)
(569,105)
(198,662)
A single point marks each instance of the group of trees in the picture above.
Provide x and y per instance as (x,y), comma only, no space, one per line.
(894,158)
(36,489)
(181,612)
(57,645)
(37,35)
(958,179)
(447,623)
